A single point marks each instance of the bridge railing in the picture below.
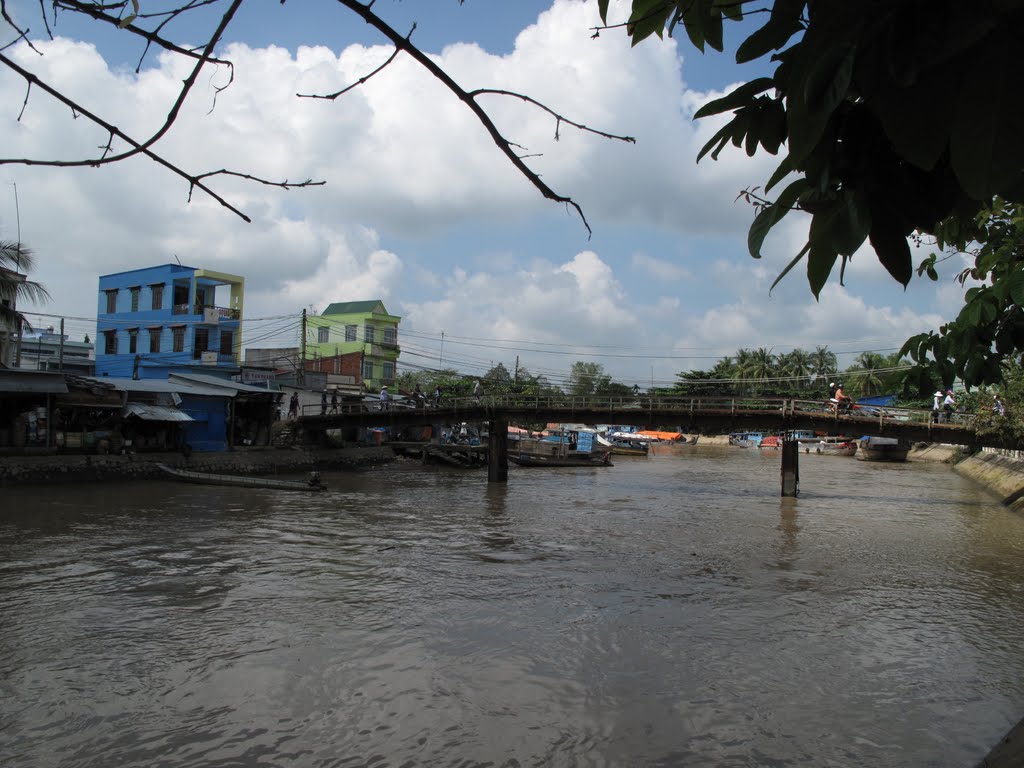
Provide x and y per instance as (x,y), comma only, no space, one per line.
(618,407)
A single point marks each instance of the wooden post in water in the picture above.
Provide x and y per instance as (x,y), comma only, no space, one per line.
(790,468)
(497,451)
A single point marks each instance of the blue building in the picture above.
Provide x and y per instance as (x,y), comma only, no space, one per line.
(159,320)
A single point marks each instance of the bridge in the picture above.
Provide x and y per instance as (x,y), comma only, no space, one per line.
(691,415)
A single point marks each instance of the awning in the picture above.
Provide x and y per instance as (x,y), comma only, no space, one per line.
(155,412)
(22,382)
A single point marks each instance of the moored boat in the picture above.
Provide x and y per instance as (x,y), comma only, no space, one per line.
(881,449)
(239,481)
(561,449)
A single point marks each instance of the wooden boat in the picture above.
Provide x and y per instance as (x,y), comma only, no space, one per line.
(830,446)
(626,443)
(881,449)
(313,484)
(566,449)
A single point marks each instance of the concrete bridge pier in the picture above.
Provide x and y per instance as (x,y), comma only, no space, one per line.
(497,451)
(790,468)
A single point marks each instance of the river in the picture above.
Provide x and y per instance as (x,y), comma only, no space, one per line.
(669,611)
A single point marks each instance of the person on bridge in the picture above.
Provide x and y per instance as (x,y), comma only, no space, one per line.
(839,400)
(334,401)
(437,396)
(293,407)
(323,402)
(937,406)
(418,397)
(832,391)
(949,405)
(476,390)
(384,397)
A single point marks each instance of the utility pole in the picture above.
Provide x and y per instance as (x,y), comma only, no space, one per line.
(440,356)
(301,378)
(515,376)
(60,354)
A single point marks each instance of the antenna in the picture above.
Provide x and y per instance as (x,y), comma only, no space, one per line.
(17,214)
(177,259)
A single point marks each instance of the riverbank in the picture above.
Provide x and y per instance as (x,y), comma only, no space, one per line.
(46,470)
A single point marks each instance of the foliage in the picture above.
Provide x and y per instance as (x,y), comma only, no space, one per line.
(990,327)
(896,117)
(15,262)
(587,378)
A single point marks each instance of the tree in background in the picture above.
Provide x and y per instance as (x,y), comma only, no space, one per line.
(896,118)
(586,378)
(16,262)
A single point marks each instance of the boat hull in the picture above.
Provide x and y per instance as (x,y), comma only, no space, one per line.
(237,481)
(881,449)
(547,453)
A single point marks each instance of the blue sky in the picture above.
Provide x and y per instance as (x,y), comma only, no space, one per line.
(421,210)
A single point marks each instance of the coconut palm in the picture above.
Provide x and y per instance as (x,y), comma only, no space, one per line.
(871,373)
(798,365)
(761,366)
(15,262)
(823,362)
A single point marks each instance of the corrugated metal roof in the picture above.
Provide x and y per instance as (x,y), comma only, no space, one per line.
(225,385)
(155,412)
(14,380)
(160,386)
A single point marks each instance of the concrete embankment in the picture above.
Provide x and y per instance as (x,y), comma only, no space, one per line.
(1002,475)
(45,470)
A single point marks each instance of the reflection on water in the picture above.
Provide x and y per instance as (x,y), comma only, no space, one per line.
(667,611)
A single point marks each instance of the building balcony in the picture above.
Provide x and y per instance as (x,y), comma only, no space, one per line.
(211,315)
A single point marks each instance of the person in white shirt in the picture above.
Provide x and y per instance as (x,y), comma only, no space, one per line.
(937,406)
(949,404)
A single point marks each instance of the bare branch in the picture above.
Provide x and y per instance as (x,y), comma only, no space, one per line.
(356,84)
(138,147)
(559,118)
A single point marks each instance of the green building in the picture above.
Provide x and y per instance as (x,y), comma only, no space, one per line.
(362,327)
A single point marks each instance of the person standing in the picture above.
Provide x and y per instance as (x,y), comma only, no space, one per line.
(293,407)
(323,402)
(997,404)
(937,406)
(334,401)
(437,396)
(476,390)
(384,397)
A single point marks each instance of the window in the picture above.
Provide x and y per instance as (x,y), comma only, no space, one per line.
(180,298)
(388,371)
(111,300)
(133,340)
(227,342)
(350,333)
(158,295)
(178,338)
(369,334)
(367,370)
(135,291)
(391,336)
(202,342)
(323,334)
(154,339)
(110,342)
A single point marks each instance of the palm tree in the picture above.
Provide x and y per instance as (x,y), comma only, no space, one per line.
(871,380)
(15,262)
(799,365)
(823,362)
(740,365)
(762,365)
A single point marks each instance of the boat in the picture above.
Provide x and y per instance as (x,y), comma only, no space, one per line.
(205,478)
(560,448)
(624,446)
(830,446)
(746,439)
(881,449)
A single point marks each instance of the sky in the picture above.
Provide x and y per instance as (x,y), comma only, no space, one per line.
(419,208)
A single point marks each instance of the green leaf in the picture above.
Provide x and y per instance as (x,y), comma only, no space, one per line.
(720,138)
(740,97)
(772,215)
(793,263)
(986,149)
(823,253)
(890,243)
(828,80)
(784,169)
(602,7)
(1016,283)
(771,37)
